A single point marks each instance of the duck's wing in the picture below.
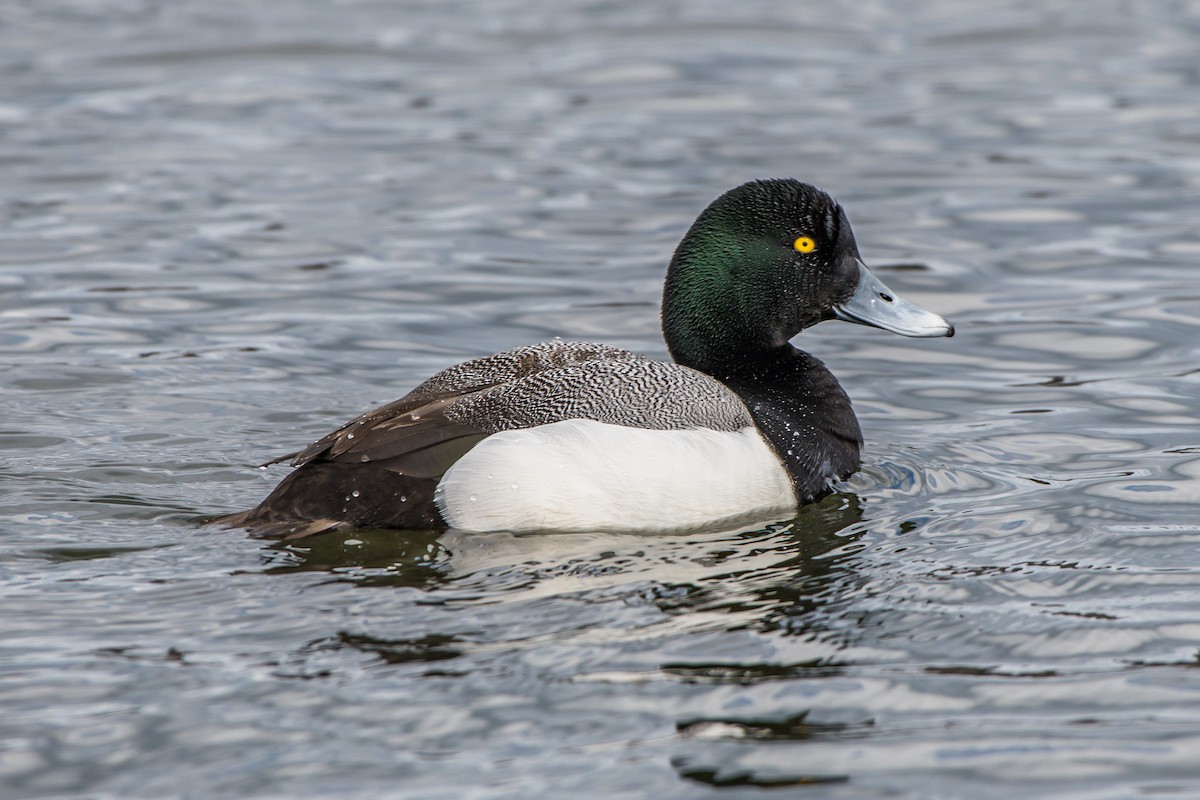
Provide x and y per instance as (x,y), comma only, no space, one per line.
(423,433)
(633,393)
(412,439)
(413,434)
(429,398)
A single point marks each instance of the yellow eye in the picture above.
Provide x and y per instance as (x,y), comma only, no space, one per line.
(804,244)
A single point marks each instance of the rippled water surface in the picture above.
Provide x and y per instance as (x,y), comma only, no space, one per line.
(226,228)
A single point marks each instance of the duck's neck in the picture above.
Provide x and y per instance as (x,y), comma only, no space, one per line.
(799,406)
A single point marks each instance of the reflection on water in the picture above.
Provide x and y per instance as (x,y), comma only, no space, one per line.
(223,232)
(367,558)
(769,578)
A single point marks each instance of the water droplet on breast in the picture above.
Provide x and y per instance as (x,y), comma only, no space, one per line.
(515,486)
(354,493)
(365,459)
(349,435)
(472,498)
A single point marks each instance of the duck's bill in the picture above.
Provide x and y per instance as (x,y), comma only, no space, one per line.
(876,305)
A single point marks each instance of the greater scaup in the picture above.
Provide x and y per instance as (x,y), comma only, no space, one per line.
(572,436)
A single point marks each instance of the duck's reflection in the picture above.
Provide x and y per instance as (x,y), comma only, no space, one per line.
(369,558)
(767,577)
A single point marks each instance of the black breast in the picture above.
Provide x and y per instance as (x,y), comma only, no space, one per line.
(805,415)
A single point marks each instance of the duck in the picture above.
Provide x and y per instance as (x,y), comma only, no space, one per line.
(578,436)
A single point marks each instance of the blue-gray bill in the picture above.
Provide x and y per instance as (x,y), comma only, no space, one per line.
(874,304)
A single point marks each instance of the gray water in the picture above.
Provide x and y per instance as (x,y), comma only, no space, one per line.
(227,228)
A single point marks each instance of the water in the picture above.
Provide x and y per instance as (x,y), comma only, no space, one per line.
(226,230)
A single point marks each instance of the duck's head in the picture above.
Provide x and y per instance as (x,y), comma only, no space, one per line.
(765,261)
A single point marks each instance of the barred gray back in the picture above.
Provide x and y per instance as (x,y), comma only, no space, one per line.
(620,388)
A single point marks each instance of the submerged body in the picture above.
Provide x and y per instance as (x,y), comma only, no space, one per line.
(578,436)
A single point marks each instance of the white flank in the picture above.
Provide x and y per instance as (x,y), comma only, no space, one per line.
(581,475)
